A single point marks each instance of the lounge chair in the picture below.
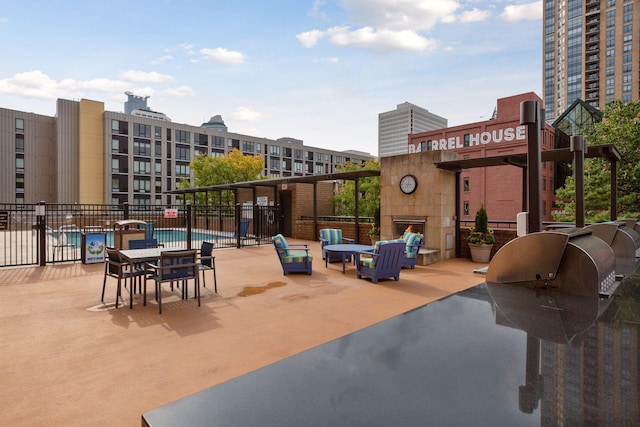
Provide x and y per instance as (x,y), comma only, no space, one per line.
(60,241)
(413,241)
(295,258)
(333,236)
(385,261)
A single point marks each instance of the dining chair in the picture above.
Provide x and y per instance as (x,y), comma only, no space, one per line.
(208,262)
(115,266)
(143,243)
(180,265)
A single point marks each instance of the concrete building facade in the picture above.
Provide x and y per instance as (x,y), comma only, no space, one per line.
(591,52)
(85,154)
(395,125)
(498,188)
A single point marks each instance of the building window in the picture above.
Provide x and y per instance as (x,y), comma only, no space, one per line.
(466,140)
(19,143)
(247,147)
(274,150)
(217,141)
(142,148)
(119,127)
(19,165)
(465,184)
(274,163)
(465,208)
(183,136)
(142,167)
(140,130)
(142,185)
(20,125)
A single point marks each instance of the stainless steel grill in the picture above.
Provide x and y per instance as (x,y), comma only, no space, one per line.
(625,242)
(573,261)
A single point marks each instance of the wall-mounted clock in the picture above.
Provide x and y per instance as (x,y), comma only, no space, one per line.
(408,184)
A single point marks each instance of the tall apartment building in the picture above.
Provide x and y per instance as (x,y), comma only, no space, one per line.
(395,125)
(591,52)
(85,154)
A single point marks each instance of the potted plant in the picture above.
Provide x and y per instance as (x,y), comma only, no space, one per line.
(481,238)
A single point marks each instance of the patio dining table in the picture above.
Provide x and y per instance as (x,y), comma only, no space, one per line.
(136,256)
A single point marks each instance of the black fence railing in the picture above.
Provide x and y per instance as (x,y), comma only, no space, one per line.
(46,233)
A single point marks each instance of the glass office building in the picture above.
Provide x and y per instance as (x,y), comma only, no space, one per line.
(591,52)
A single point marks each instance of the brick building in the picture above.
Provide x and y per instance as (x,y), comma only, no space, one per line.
(498,188)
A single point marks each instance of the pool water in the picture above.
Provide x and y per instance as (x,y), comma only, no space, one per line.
(162,235)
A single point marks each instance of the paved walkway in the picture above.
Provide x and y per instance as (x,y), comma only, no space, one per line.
(68,360)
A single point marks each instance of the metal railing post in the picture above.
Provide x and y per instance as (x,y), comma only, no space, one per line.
(237,224)
(41,209)
(189,221)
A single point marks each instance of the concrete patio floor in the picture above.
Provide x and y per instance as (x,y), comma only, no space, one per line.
(66,359)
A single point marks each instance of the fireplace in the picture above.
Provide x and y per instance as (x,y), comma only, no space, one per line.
(401,223)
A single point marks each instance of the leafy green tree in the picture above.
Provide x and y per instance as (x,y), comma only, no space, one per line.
(369,188)
(620,125)
(235,167)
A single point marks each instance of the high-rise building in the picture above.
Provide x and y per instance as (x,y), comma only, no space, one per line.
(591,52)
(86,154)
(395,125)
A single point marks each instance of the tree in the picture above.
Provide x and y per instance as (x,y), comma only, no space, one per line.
(620,125)
(235,167)
(369,188)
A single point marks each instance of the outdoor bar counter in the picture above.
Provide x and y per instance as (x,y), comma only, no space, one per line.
(493,355)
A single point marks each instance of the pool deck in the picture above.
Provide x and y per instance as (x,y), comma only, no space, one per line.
(66,359)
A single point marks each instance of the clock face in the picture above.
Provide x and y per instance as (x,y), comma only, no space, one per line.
(408,184)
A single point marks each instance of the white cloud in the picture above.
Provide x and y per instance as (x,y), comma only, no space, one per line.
(223,55)
(473,15)
(521,12)
(333,60)
(161,59)
(247,114)
(310,38)
(33,84)
(36,84)
(316,9)
(385,25)
(178,92)
(416,15)
(383,39)
(143,76)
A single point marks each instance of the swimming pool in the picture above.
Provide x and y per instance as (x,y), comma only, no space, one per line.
(163,235)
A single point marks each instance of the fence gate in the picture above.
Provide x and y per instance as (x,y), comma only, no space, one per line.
(18,235)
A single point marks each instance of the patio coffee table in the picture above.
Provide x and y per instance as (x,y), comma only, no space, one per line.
(344,250)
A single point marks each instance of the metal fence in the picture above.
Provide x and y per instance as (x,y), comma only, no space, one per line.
(37,234)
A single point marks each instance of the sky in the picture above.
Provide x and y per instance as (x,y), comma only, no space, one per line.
(316,70)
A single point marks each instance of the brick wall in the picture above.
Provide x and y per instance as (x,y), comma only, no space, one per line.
(303,229)
(502,237)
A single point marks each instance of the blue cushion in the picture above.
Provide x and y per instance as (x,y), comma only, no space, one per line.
(297,257)
(281,243)
(371,262)
(331,236)
(413,242)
